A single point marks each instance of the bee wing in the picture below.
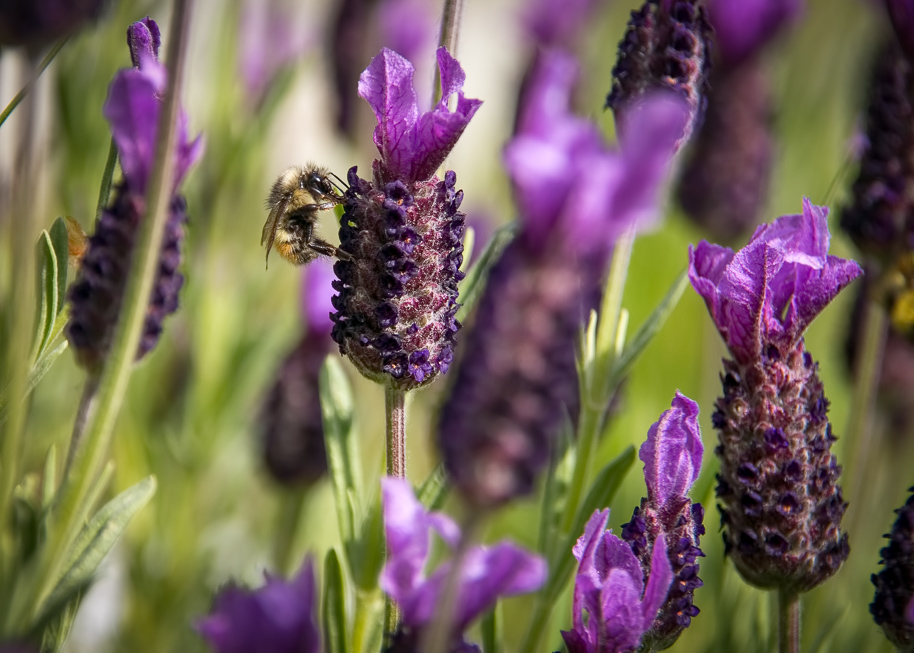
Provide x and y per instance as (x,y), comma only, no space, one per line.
(269,228)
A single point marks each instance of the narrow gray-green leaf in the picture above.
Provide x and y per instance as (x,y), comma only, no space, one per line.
(92,544)
(61,244)
(558,480)
(368,554)
(650,328)
(600,495)
(333,606)
(492,629)
(46,311)
(56,633)
(473,284)
(342,451)
(434,489)
(49,478)
(41,367)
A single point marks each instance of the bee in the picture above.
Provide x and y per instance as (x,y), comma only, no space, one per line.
(294,202)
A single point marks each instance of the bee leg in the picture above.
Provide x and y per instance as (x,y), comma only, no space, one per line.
(322,247)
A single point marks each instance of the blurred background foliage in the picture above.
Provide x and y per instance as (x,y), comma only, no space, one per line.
(191,416)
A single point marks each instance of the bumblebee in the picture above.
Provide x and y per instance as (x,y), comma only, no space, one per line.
(294,202)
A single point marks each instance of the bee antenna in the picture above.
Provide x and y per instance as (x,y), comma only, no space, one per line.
(343,188)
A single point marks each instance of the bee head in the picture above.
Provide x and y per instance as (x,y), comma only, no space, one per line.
(318,184)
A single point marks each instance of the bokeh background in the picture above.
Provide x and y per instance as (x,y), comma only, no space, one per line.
(191,416)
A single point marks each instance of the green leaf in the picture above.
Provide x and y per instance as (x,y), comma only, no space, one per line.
(49,478)
(46,311)
(600,495)
(492,629)
(92,544)
(333,606)
(650,328)
(56,633)
(61,245)
(473,284)
(434,489)
(558,480)
(366,557)
(342,451)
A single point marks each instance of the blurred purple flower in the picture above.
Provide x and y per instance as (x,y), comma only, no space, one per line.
(143,39)
(486,573)
(413,144)
(403,232)
(554,23)
(34,23)
(575,196)
(894,597)
(280,617)
(317,296)
(132,109)
(407,27)
(610,588)
(269,40)
(902,14)
(672,457)
(772,289)
(743,27)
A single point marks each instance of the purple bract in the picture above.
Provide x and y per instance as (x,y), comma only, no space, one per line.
(743,27)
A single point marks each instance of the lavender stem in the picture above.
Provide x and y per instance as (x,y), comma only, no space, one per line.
(788,621)
(395,408)
(450,30)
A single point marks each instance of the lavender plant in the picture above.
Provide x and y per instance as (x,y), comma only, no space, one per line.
(893,603)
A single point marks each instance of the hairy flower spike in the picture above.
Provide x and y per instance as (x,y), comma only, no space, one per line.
(132,109)
(143,39)
(672,457)
(781,506)
(403,233)
(666,45)
(576,196)
(893,603)
(880,219)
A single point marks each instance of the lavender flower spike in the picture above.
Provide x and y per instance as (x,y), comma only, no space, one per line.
(132,109)
(610,588)
(280,617)
(403,232)
(672,457)
(893,603)
(486,572)
(781,506)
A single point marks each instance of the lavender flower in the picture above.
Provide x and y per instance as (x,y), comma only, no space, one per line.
(132,109)
(575,197)
(880,218)
(610,588)
(143,40)
(781,507)
(291,421)
(402,232)
(672,457)
(666,45)
(743,27)
(485,573)
(280,617)
(893,603)
(554,23)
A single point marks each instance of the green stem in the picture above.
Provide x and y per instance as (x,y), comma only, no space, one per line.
(49,57)
(364,630)
(788,621)
(291,503)
(82,416)
(542,613)
(395,405)
(105,189)
(71,509)
(450,31)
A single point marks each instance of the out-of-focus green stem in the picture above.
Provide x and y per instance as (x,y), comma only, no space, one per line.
(71,509)
(291,503)
(597,397)
(364,630)
(788,622)
(104,190)
(48,58)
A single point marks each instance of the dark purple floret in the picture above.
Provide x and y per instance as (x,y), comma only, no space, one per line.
(895,583)
(397,293)
(724,184)
(96,295)
(880,218)
(666,46)
(143,39)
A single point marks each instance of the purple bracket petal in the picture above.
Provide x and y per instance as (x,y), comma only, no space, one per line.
(317,304)
(672,454)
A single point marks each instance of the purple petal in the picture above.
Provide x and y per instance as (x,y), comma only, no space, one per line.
(556,22)
(412,146)
(658,584)
(143,39)
(407,27)
(269,39)
(586,545)
(672,453)
(742,27)
(317,305)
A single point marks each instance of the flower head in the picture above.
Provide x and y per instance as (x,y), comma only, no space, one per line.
(672,457)
(576,196)
(280,617)
(132,109)
(772,289)
(402,232)
(610,588)
(143,39)
(485,573)
(781,506)
(743,27)
(556,22)
(291,420)
(893,603)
